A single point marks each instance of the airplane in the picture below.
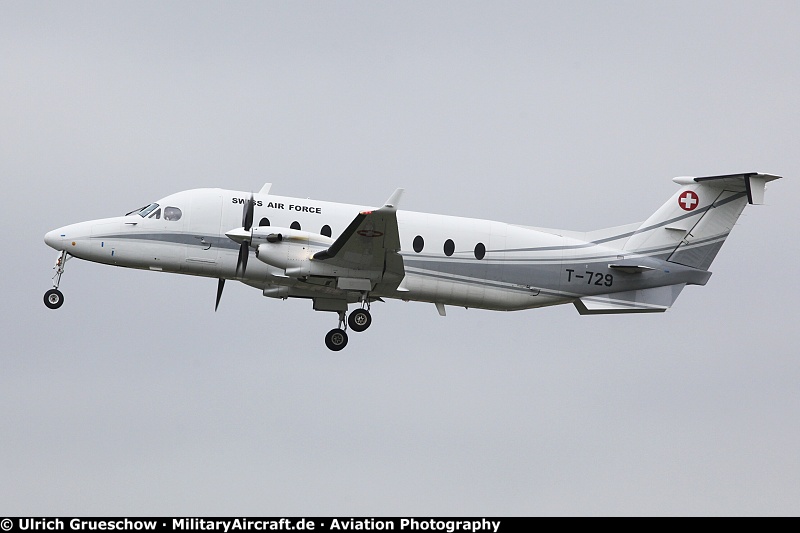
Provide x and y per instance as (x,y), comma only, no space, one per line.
(337,255)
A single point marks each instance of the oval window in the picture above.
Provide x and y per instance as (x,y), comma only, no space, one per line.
(295,225)
(264,222)
(326,230)
(419,243)
(449,247)
(172,214)
(480,251)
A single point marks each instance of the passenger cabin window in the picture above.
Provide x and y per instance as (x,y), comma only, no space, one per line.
(264,222)
(480,251)
(172,214)
(326,230)
(449,247)
(295,225)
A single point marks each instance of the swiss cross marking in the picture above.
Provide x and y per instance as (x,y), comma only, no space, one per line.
(688,200)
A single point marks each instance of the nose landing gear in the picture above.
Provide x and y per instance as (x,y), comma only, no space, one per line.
(54,298)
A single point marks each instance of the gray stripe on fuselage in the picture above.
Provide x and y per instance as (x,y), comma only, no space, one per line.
(227,244)
(552,276)
(483,282)
(185,238)
(173,238)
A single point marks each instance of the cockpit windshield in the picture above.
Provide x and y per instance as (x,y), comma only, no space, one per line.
(143,211)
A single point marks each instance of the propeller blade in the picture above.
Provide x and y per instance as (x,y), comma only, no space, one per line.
(220,286)
(245,255)
(247,214)
(241,263)
(244,236)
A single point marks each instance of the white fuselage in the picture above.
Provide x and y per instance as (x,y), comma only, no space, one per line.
(447,260)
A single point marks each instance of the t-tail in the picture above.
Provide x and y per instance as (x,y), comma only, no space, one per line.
(688,232)
(690,227)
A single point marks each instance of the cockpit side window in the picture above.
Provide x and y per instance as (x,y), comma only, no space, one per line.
(144,211)
(156,215)
(172,214)
(136,211)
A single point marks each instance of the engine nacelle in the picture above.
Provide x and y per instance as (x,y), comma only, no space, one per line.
(294,259)
(287,248)
(283,255)
(292,251)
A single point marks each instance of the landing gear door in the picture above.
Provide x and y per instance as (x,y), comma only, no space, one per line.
(203,231)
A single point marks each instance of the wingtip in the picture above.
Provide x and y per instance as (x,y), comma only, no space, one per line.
(394,199)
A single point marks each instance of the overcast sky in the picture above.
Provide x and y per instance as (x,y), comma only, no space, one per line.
(136,398)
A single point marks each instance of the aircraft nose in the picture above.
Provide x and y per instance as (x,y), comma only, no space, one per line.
(55,239)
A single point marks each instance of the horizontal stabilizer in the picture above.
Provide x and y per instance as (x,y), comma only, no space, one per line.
(752,183)
(655,300)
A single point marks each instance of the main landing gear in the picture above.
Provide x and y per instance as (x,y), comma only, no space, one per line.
(359,320)
(54,297)
(336,339)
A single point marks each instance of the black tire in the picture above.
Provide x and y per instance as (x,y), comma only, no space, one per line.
(53,299)
(336,339)
(359,320)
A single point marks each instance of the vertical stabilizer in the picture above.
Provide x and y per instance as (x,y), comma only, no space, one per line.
(690,227)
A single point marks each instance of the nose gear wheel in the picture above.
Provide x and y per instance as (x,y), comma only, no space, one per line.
(54,298)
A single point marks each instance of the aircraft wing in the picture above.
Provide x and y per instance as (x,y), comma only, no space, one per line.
(370,244)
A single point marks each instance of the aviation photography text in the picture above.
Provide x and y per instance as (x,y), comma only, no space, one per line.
(229,525)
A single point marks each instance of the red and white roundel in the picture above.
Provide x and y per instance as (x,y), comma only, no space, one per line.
(688,200)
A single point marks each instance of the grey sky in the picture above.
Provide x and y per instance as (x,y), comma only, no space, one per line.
(136,398)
